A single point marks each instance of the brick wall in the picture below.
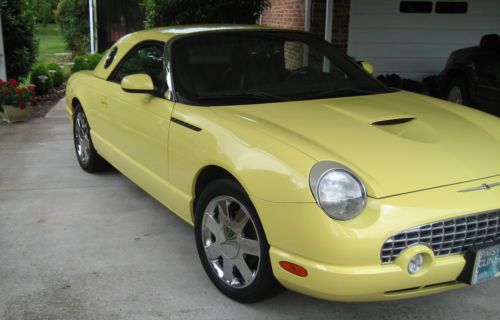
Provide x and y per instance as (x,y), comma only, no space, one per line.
(287,14)
(290,14)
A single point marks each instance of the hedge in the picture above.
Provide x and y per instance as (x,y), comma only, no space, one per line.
(20,43)
(175,12)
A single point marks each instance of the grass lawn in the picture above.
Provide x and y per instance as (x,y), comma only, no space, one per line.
(51,42)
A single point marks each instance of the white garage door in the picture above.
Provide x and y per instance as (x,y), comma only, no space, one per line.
(416,45)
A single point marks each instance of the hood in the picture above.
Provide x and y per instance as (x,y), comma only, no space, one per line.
(396,142)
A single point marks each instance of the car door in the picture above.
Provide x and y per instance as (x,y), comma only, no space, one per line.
(488,85)
(139,125)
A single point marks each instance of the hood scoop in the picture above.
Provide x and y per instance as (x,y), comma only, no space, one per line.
(408,128)
(392,122)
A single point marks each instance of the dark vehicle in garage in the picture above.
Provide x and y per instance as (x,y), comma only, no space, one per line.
(472,76)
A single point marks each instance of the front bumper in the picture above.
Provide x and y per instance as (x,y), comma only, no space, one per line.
(343,258)
(368,283)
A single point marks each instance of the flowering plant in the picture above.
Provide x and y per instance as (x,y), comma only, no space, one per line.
(12,94)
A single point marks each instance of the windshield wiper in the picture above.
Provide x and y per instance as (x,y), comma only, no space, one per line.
(339,93)
(245,95)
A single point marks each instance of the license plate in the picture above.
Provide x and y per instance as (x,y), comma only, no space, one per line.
(487,265)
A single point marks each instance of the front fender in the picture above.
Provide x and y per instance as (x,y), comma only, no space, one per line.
(78,88)
(266,168)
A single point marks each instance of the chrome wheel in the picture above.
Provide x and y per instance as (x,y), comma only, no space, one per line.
(455,95)
(82,138)
(231,242)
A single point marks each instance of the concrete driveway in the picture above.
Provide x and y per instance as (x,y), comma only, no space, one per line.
(79,246)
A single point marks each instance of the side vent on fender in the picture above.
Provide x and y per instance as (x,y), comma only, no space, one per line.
(185,124)
(392,122)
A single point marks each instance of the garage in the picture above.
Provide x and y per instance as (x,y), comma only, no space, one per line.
(409,42)
(415,38)
(410,38)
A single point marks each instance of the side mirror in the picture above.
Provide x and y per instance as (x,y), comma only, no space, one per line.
(138,83)
(368,67)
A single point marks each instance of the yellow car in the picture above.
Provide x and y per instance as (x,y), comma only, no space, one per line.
(296,167)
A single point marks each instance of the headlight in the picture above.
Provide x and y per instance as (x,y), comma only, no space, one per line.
(337,190)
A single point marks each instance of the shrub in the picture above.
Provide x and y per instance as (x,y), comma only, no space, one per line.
(21,46)
(174,12)
(79,64)
(73,16)
(40,77)
(56,73)
(88,62)
(93,60)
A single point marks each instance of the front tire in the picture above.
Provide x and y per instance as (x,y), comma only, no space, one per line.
(87,156)
(231,243)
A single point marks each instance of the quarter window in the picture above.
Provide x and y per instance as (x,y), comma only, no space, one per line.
(148,60)
(111,56)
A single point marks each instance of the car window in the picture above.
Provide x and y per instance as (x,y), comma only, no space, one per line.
(242,67)
(144,60)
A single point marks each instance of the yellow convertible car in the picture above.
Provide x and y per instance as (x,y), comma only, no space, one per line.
(296,167)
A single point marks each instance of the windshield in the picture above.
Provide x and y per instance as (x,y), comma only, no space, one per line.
(264,66)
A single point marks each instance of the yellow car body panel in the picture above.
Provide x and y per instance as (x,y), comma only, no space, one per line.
(413,172)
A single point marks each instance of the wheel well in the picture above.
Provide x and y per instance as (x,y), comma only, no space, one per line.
(206,176)
(74,103)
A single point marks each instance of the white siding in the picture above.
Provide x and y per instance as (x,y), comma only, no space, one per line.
(415,45)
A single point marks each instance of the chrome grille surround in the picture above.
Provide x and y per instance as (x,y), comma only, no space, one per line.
(451,236)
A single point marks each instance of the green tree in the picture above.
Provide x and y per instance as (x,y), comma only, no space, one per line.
(45,10)
(21,45)
(73,16)
(175,12)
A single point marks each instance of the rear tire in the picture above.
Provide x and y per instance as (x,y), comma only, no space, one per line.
(231,243)
(87,156)
(458,91)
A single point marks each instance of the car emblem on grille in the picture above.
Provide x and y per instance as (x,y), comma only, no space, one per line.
(484,186)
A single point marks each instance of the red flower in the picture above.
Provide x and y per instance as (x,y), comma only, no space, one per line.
(22,104)
(13,82)
(34,102)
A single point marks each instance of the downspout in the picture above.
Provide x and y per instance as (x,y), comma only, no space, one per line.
(328,31)
(307,28)
(307,16)
(329,20)
(3,70)
(91,26)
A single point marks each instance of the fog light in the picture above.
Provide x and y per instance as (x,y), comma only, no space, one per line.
(416,263)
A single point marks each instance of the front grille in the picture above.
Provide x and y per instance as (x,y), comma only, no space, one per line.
(446,237)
